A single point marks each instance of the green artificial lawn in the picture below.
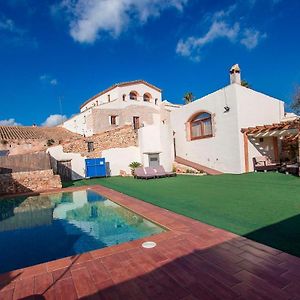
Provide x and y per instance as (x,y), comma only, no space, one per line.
(264,207)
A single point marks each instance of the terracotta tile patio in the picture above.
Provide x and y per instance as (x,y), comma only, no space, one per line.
(191,261)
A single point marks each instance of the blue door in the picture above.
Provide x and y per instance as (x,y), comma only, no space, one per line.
(95,167)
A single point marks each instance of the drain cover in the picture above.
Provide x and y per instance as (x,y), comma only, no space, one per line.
(149,245)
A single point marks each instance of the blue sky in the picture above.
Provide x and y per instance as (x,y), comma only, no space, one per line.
(73,49)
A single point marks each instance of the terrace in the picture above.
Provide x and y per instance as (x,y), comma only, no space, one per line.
(229,237)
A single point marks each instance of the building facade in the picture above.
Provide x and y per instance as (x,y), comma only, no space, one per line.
(206,131)
(138,104)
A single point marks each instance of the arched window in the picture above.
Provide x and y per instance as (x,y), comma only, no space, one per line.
(147,97)
(201,126)
(133,95)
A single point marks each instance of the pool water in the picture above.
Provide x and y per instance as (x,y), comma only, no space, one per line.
(47,227)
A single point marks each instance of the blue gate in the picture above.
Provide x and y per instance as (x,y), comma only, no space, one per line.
(95,167)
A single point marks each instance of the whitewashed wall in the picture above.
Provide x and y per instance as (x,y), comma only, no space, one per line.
(80,123)
(120,158)
(157,138)
(225,150)
(77,161)
(220,152)
(116,97)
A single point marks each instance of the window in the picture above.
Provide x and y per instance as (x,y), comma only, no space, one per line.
(133,95)
(147,97)
(201,126)
(90,146)
(108,98)
(97,102)
(124,97)
(155,101)
(113,120)
(136,122)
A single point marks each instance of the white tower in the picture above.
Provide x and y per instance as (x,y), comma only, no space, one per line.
(235,74)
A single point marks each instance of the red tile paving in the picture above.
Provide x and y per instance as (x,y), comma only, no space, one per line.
(191,261)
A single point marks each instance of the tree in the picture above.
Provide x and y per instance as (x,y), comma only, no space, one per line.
(188,97)
(246,84)
(295,105)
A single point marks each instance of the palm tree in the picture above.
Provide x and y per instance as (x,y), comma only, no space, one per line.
(188,97)
(245,84)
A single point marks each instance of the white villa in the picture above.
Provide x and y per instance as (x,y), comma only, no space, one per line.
(207,131)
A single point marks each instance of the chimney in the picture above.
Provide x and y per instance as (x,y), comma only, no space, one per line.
(235,74)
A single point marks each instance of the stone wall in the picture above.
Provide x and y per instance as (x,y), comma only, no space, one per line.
(24,163)
(121,137)
(33,181)
(101,117)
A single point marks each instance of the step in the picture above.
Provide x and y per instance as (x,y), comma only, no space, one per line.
(197,166)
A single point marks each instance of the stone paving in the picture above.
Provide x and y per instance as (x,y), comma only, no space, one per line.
(191,261)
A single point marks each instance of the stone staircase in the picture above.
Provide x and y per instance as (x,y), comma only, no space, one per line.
(197,166)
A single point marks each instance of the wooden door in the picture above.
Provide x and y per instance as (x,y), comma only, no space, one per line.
(136,122)
(64,169)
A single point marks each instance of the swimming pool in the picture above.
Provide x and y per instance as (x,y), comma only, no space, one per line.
(42,228)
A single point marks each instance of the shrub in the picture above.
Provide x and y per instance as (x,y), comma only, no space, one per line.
(190,171)
(50,142)
(134,165)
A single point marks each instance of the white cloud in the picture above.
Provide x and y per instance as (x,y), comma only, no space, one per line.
(54,120)
(11,34)
(53,82)
(222,26)
(9,122)
(89,19)
(192,46)
(251,38)
(49,79)
(7,24)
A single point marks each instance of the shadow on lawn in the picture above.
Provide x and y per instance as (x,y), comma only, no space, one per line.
(66,184)
(284,235)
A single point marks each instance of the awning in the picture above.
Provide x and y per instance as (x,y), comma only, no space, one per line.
(288,129)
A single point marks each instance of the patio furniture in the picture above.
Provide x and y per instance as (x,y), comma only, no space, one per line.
(264,163)
(160,170)
(150,172)
(140,173)
(291,168)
